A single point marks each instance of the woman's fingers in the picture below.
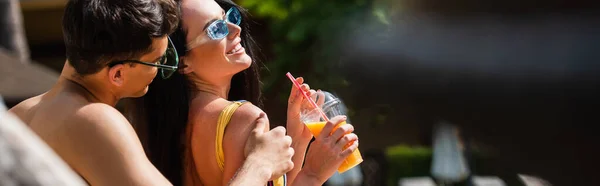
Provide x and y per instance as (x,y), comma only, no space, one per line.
(346,152)
(340,131)
(345,140)
(327,129)
(294,92)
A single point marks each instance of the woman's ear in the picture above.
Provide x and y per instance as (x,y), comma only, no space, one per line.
(116,75)
(184,66)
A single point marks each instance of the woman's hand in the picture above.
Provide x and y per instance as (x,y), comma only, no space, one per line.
(300,134)
(328,152)
(296,103)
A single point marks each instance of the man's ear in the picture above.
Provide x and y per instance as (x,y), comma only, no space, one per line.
(116,75)
(184,66)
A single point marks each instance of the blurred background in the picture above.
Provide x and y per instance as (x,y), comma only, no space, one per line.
(518,81)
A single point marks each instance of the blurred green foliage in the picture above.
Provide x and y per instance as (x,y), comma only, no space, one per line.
(308,35)
(415,161)
(406,161)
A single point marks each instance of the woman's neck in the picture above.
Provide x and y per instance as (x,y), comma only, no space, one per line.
(218,86)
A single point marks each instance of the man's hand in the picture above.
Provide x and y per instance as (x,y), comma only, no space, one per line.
(270,150)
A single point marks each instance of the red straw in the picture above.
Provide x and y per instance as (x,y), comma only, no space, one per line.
(306,96)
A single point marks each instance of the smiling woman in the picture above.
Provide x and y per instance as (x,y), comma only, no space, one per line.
(207,58)
(205,54)
(200,118)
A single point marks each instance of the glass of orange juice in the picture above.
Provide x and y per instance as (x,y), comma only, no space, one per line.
(332,106)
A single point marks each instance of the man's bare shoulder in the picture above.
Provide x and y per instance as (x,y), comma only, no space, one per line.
(99,117)
(95,111)
(26,104)
(86,128)
(21,110)
(48,108)
(99,137)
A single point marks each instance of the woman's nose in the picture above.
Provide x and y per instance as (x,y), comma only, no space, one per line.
(234,30)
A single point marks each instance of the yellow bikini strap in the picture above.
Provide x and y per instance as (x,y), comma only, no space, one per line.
(224,119)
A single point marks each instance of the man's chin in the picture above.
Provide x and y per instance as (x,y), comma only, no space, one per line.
(140,93)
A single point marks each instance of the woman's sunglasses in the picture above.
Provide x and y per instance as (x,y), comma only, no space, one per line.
(218,29)
(167,64)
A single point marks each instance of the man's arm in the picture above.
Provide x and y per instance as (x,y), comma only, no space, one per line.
(236,134)
(251,173)
(101,145)
(268,155)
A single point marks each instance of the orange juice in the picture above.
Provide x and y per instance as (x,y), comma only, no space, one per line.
(353,160)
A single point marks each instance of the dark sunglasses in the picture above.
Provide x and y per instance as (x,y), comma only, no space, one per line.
(218,29)
(167,63)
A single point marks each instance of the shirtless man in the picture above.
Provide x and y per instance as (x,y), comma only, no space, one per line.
(114,50)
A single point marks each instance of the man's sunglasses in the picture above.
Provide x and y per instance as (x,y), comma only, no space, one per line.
(167,63)
(218,29)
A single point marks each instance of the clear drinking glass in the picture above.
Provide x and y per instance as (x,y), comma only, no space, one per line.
(332,106)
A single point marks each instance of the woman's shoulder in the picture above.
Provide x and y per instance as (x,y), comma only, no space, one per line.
(243,118)
(206,110)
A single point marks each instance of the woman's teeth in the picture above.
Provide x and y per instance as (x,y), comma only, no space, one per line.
(237,48)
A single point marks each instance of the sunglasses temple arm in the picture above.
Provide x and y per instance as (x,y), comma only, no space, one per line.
(169,67)
(156,65)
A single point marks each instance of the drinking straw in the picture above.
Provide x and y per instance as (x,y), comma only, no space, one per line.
(312,102)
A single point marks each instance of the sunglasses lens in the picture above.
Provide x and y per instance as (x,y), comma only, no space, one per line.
(218,30)
(170,59)
(166,73)
(164,59)
(234,16)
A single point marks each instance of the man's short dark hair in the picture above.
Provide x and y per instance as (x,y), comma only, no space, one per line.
(99,31)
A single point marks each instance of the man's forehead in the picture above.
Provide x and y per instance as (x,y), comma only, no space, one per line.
(159,46)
